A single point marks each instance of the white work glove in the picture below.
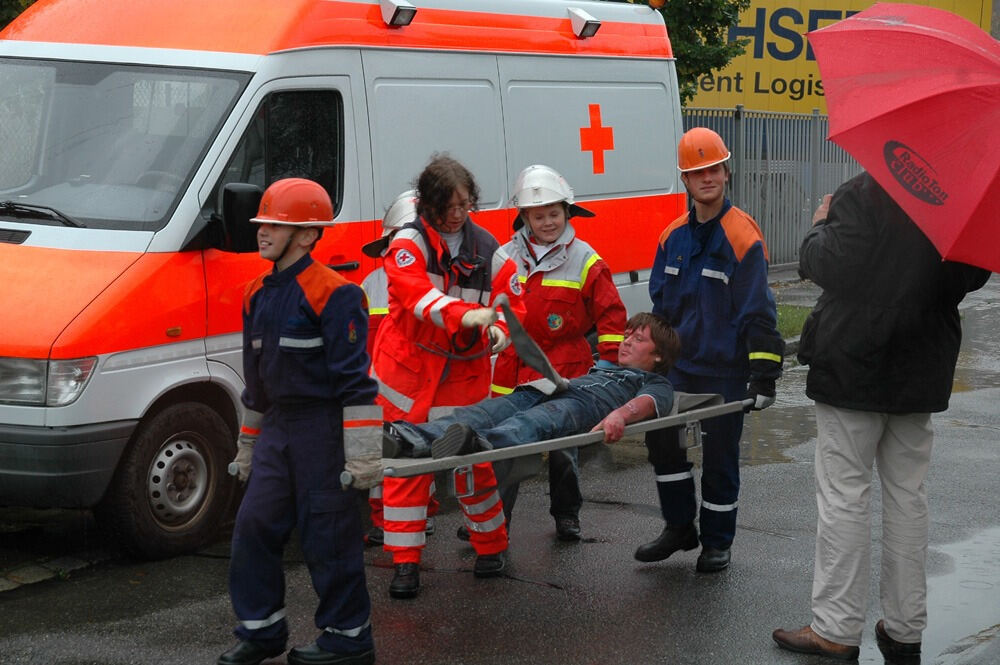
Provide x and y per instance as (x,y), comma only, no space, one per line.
(249,432)
(479,317)
(362,447)
(366,472)
(498,339)
(762,393)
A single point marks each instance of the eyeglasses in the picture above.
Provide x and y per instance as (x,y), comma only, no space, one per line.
(459,209)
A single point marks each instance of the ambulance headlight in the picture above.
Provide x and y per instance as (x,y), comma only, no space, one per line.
(44,382)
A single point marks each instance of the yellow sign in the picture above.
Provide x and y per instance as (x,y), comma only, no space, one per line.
(778,71)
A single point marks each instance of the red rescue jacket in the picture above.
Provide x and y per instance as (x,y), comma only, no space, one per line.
(423,356)
(567,292)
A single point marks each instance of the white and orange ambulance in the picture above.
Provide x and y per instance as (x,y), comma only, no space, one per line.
(130,133)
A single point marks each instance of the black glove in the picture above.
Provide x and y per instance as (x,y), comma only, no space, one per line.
(761,391)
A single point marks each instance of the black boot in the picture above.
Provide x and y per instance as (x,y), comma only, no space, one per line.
(375,537)
(393,444)
(317,655)
(406,582)
(490,565)
(248,653)
(568,528)
(712,560)
(672,539)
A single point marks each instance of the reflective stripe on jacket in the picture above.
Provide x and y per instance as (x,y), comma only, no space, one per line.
(304,334)
(567,292)
(423,357)
(377,290)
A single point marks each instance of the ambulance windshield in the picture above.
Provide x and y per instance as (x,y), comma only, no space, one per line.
(108,144)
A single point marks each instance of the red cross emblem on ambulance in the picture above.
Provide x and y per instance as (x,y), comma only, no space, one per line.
(596,138)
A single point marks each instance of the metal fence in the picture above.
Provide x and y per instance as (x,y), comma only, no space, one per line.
(782,165)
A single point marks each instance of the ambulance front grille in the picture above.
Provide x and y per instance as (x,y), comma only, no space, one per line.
(14,237)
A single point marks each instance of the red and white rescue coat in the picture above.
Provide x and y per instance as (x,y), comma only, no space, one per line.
(425,359)
(567,292)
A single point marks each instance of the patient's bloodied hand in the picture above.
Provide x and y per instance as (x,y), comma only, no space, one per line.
(613,426)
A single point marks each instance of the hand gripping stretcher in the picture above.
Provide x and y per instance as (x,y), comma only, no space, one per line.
(687,413)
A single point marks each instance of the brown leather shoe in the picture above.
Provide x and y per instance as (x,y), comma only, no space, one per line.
(804,640)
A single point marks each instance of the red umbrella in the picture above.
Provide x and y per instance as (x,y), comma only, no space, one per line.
(913,93)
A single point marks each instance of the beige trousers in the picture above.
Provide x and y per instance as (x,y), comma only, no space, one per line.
(848,444)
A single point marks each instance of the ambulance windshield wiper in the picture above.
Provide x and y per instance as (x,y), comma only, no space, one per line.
(15,209)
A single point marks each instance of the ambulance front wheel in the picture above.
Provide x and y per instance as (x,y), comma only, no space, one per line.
(171,491)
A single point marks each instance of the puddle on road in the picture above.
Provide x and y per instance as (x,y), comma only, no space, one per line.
(962,607)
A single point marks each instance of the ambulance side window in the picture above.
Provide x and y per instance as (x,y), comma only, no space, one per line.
(294,134)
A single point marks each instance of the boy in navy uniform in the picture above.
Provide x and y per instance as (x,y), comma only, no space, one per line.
(310,415)
(709,280)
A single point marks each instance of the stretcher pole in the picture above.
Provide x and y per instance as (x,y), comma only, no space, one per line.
(690,420)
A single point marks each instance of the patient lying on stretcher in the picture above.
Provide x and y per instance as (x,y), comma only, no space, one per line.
(607,398)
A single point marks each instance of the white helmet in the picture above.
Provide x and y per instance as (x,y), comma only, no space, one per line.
(539,185)
(402,211)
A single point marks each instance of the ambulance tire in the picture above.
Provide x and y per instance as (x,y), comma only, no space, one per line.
(171,491)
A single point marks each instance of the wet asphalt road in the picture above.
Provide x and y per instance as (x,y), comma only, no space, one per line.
(575,603)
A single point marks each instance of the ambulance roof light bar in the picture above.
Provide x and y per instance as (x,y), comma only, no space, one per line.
(584,25)
(397,13)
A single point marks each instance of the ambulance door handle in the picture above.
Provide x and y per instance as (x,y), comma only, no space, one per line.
(349,265)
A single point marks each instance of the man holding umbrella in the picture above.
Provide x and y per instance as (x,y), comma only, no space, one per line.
(881,345)
(883,339)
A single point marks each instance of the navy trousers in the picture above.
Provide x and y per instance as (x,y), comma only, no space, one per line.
(294,484)
(720,473)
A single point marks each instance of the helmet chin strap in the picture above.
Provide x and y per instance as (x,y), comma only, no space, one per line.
(288,243)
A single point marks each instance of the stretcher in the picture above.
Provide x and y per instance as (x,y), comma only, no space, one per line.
(689,409)
(688,412)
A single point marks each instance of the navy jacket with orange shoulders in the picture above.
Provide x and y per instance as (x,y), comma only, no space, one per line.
(710,282)
(304,339)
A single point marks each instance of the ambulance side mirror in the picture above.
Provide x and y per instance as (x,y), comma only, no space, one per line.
(240,202)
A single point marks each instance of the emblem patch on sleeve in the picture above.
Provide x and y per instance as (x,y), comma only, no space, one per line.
(515,285)
(404,258)
(352,332)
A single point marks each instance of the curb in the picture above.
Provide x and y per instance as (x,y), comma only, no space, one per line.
(42,570)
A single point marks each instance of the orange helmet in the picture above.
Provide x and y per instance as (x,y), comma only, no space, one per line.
(295,202)
(700,148)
